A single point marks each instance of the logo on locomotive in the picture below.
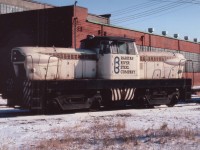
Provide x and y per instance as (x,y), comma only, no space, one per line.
(123,65)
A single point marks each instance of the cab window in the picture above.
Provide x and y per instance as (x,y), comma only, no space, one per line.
(117,47)
(105,47)
(122,48)
(114,47)
(131,48)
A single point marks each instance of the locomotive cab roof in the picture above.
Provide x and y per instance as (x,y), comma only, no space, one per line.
(109,44)
(107,38)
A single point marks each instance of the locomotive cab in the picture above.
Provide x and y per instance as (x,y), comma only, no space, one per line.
(117,58)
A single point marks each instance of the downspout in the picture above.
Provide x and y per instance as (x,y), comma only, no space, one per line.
(149,42)
(179,49)
(143,38)
(75,19)
(102,30)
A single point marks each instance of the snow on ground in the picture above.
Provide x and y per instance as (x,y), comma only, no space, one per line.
(158,128)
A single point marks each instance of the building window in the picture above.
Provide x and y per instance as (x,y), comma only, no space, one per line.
(4,9)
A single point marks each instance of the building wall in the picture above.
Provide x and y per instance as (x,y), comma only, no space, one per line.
(46,28)
(11,6)
(142,38)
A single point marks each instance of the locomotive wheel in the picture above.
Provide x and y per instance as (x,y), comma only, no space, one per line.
(107,99)
(10,102)
(174,100)
(141,99)
(9,92)
(53,107)
(13,92)
(95,105)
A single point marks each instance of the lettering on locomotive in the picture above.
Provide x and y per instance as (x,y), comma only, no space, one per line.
(123,65)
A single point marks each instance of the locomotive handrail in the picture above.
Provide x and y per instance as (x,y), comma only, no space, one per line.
(186,65)
(57,69)
(180,66)
(155,71)
(171,71)
(48,67)
(31,62)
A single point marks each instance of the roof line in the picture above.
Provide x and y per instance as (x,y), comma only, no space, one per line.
(109,25)
(33,1)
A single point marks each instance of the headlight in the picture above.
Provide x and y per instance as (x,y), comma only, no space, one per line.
(33,70)
(17,56)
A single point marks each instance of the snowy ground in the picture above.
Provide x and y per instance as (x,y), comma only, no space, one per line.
(158,128)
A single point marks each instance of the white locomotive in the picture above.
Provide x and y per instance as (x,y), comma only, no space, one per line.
(103,71)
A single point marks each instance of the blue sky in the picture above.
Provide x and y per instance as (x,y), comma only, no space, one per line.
(175,16)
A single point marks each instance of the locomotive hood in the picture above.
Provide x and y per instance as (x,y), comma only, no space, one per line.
(48,50)
(166,57)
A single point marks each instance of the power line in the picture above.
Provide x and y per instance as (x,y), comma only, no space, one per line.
(134,8)
(182,1)
(154,16)
(147,13)
(154,10)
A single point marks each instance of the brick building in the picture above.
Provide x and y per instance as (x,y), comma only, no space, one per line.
(145,41)
(67,26)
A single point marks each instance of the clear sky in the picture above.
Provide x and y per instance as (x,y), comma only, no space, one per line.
(175,16)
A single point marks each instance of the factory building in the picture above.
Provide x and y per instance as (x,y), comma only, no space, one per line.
(145,41)
(67,26)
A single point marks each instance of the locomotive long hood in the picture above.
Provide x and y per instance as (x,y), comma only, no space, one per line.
(167,57)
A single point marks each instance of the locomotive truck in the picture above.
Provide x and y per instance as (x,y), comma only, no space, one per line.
(104,71)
